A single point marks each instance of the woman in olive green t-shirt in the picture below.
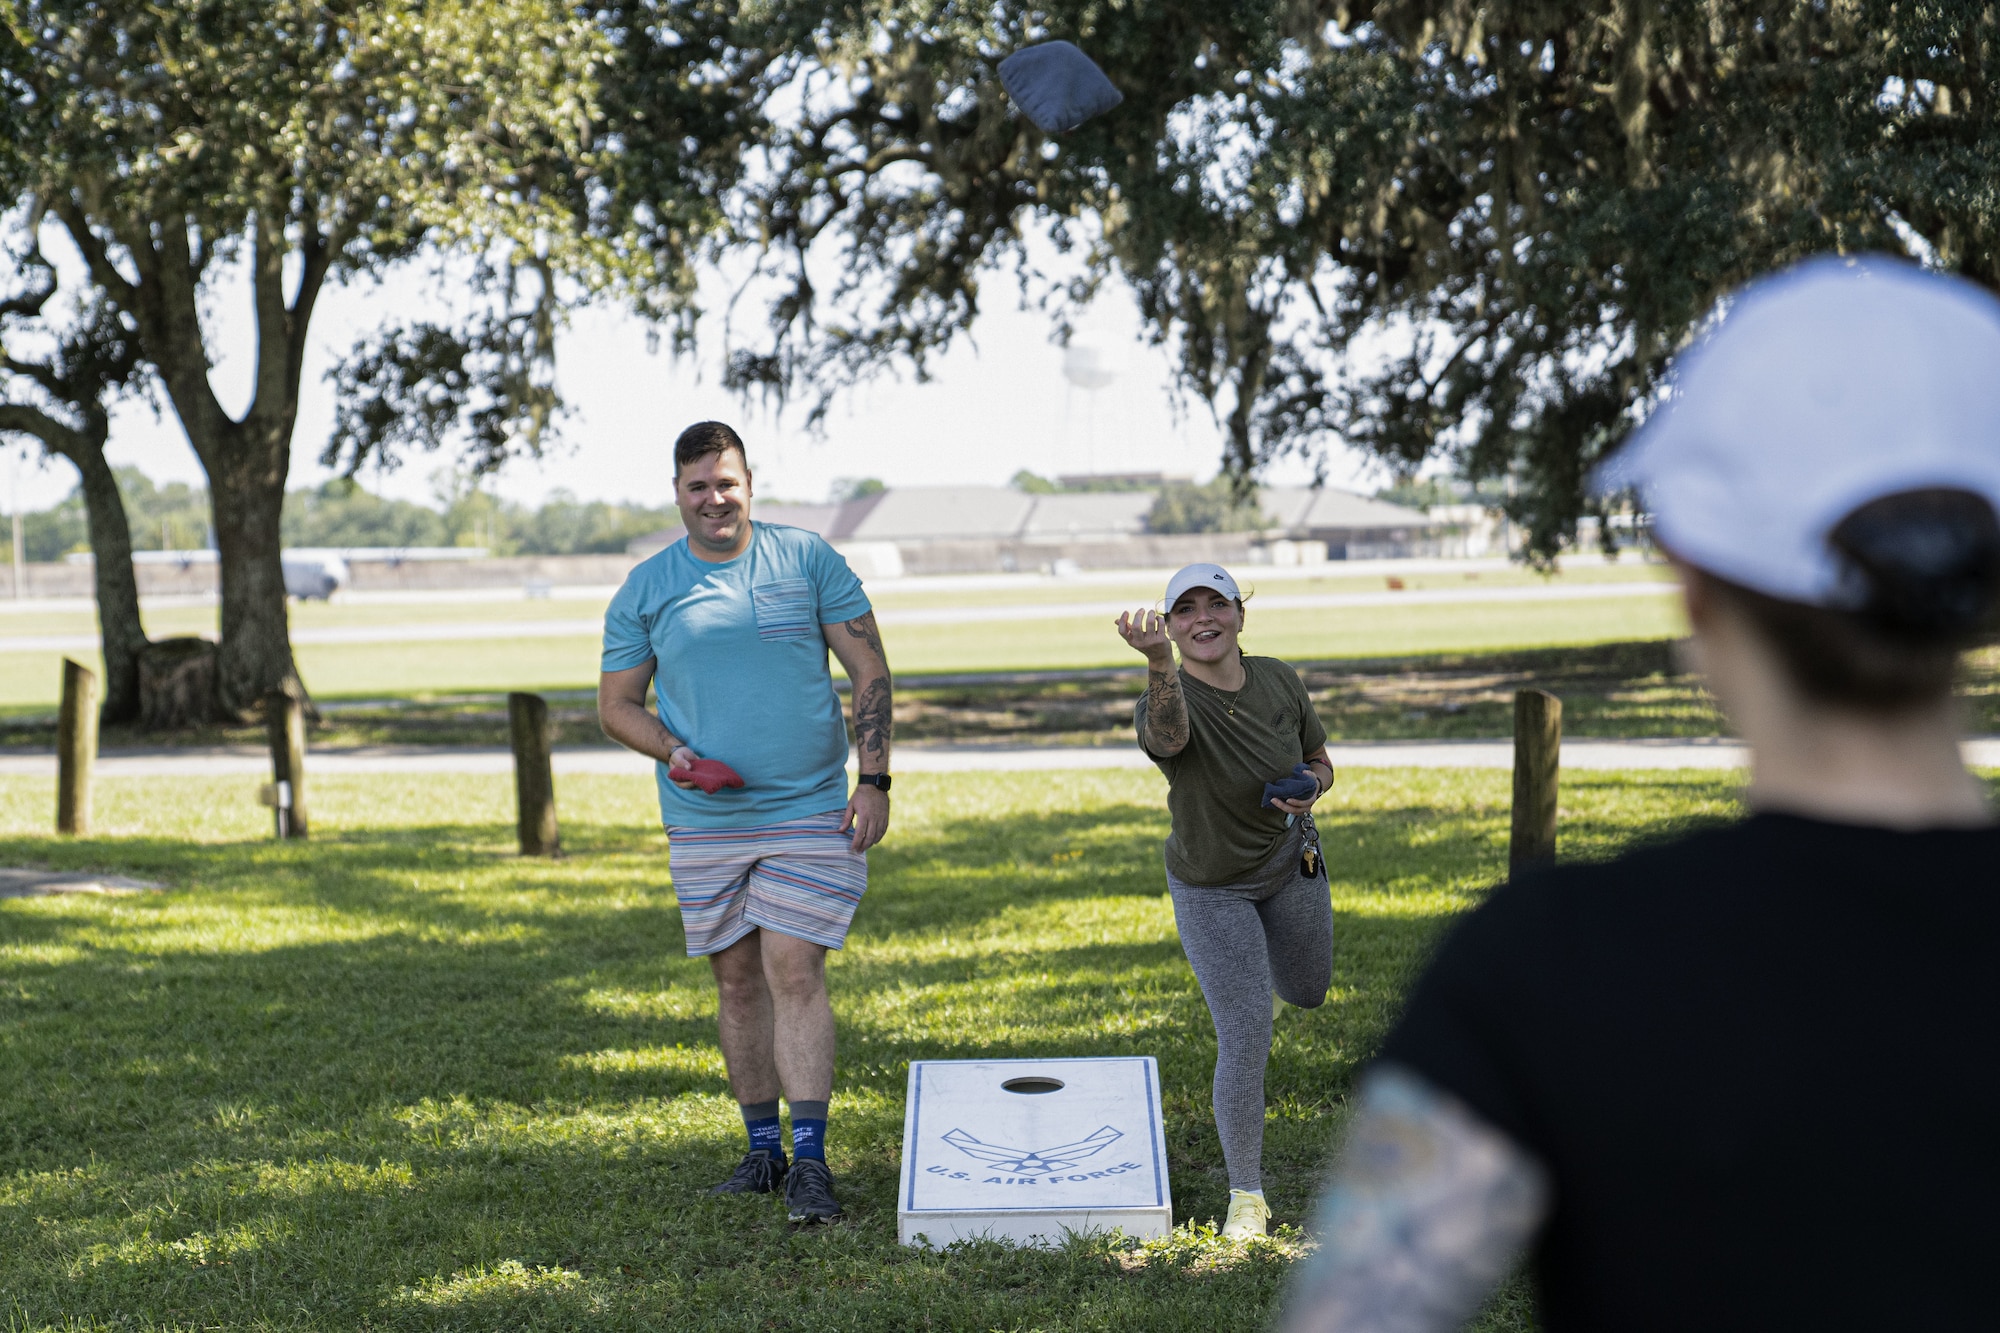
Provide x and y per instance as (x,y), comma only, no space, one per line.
(1249,889)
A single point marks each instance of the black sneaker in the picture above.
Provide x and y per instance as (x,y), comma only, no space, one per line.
(760,1172)
(809,1193)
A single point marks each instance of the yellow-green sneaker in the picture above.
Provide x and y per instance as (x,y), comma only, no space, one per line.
(1248,1216)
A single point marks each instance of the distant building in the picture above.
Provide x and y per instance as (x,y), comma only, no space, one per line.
(1345,521)
(833,522)
(939,529)
(954,513)
(1121,481)
(1088,516)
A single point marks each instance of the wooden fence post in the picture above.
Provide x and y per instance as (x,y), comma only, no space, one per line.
(76,748)
(1537,764)
(285,720)
(534,778)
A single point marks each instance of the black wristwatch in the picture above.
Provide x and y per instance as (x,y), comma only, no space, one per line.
(874,780)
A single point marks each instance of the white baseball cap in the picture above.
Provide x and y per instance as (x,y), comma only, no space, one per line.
(1201,576)
(1834,383)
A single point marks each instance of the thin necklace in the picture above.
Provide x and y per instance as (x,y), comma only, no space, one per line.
(1228,696)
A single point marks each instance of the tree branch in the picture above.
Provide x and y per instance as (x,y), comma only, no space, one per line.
(43,375)
(878,160)
(318,256)
(29,305)
(57,436)
(102,271)
(277,348)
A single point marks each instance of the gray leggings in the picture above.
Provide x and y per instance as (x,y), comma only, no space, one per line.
(1274,931)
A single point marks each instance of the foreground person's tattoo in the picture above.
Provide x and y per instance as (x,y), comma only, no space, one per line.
(1166,711)
(1427,1207)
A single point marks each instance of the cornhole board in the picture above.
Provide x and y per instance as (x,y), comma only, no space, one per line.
(1030,1151)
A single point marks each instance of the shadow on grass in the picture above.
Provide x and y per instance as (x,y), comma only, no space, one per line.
(409,1080)
(445,971)
(391,1125)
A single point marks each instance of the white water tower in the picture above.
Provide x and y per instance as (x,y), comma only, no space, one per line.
(1089,366)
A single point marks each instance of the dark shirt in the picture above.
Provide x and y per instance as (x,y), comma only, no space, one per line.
(1762,1065)
(1222,832)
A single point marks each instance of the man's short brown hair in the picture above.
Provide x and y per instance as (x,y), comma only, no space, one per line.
(704,438)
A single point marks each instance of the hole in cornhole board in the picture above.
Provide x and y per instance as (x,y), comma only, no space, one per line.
(1033,1083)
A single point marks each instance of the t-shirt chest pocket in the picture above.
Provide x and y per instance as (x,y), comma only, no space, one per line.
(784,608)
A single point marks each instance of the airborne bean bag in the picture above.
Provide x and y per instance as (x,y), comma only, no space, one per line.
(1057,86)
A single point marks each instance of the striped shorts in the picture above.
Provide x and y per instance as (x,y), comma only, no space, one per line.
(798,878)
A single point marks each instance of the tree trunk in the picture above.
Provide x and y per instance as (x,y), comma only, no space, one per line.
(246,460)
(177,684)
(117,588)
(247,497)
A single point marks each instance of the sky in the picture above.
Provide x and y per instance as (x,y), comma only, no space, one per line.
(995,404)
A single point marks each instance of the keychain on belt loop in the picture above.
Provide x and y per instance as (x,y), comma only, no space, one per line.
(1311,863)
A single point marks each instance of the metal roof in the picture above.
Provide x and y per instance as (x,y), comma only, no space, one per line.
(906,513)
(829,521)
(1001,513)
(1100,514)
(813,518)
(1285,505)
(1332,509)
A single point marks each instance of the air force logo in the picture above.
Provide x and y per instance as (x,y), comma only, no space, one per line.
(1035,1162)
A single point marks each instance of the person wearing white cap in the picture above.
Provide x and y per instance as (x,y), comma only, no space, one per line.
(1744,1079)
(1245,759)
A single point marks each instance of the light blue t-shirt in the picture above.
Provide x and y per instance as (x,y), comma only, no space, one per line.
(741,671)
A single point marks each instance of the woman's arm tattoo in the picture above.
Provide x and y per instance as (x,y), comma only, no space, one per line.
(1426,1210)
(1166,711)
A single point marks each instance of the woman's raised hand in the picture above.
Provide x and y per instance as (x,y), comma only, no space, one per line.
(1146,631)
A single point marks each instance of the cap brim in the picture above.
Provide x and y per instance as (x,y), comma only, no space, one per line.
(1625,470)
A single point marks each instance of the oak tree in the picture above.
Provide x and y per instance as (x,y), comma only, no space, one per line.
(302,144)
(58,389)
(1437,230)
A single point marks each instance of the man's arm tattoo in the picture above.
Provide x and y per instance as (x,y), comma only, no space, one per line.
(863,628)
(874,720)
(1426,1210)
(1166,712)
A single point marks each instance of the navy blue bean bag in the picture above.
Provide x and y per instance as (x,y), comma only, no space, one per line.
(1057,86)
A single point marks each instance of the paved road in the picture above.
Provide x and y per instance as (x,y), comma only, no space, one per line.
(890,616)
(1983,752)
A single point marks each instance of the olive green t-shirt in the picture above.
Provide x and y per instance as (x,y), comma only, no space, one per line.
(1222,832)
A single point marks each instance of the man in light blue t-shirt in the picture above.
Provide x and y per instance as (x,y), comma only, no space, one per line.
(731,626)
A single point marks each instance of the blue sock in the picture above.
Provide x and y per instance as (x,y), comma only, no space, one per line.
(761,1119)
(809,1130)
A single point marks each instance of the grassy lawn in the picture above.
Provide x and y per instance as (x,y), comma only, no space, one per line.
(398,1078)
(31,680)
(1614,690)
(1610,690)
(1302,634)
(190,617)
